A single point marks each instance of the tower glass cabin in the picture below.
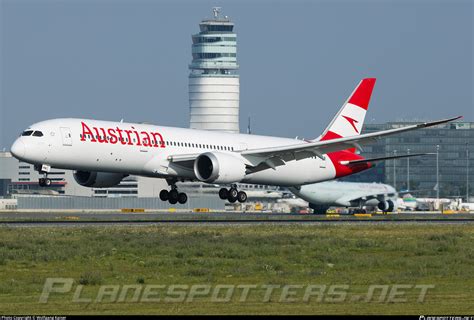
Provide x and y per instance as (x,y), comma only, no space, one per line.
(213,80)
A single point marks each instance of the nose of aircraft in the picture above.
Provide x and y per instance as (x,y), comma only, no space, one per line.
(18,149)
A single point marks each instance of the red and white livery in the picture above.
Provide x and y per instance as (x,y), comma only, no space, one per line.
(104,152)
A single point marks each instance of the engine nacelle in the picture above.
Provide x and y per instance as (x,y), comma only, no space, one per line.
(98,179)
(391,206)
(219,167)
(386,206)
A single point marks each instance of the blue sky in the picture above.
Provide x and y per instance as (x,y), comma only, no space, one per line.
(299,60)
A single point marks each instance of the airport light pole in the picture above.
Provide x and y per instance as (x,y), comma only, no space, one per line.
(437,174)
(467,172)
(394,170)
(408,170)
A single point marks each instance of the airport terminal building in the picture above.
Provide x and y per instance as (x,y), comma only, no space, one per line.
(451,146)
(20,178)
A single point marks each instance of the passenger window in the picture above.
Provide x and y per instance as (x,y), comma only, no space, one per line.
(38,134)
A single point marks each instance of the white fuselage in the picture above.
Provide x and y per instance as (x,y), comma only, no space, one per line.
(145,150)
(345,194)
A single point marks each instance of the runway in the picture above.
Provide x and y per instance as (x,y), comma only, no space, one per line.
(39,219)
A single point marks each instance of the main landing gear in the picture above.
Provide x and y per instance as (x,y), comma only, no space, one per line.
(173,196)
(43,169)
(232,195)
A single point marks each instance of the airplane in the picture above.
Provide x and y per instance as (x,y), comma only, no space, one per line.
(408,202)
(327,194)
(466,206)
(102,153)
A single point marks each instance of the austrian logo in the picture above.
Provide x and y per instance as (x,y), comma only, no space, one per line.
(352,122)
(123,136)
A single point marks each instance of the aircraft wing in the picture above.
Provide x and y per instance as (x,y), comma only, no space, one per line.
(275,156)
(347,201)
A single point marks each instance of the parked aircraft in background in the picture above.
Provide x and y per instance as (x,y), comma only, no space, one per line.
(327,194)
(407,202)
(467,206)
(102,153)
(428,204)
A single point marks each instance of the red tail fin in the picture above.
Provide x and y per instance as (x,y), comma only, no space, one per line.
(350,118)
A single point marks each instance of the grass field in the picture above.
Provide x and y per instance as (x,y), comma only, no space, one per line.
(356,256)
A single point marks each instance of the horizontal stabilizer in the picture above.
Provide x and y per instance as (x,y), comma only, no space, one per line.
(383,158)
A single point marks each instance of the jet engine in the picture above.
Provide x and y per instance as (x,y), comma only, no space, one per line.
(218,167)
(386,206)
(98,179)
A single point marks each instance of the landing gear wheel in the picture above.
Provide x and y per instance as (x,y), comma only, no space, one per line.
(223,194)
(173,195)
(182,198)
(164,195)
(231,199)
(44,182)
(172,201)
(241,196)
(233,193)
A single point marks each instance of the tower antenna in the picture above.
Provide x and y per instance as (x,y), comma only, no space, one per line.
(216,11)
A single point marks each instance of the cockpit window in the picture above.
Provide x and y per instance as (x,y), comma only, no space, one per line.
(27,133)
(38,134)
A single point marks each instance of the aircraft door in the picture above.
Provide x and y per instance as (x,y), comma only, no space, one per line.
(66,136)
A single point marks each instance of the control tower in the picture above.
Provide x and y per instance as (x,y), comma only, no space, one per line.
(214,80)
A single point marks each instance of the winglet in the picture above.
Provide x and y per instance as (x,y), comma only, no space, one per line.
(435,123)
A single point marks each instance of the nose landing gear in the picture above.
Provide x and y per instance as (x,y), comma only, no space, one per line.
(232,194)
(44,169)
(44,182)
